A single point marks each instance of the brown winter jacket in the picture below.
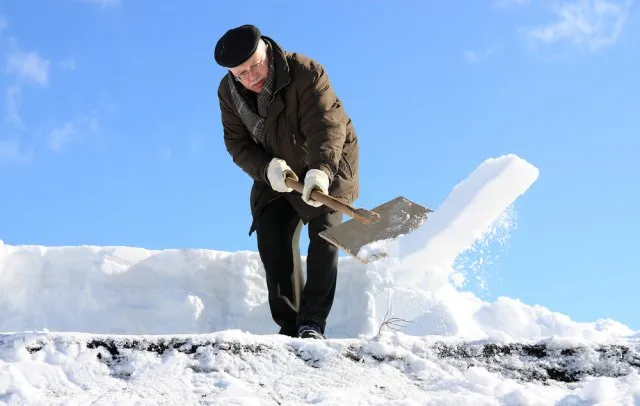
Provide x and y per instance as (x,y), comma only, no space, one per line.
(306,126)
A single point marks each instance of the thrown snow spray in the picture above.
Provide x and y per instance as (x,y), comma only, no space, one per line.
(470,268)
(423,270)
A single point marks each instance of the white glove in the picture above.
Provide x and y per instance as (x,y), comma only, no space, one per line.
(277,171)
(315,179)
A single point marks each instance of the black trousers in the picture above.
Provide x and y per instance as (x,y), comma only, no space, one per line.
(290,300)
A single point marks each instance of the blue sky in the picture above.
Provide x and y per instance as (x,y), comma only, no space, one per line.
(110,130)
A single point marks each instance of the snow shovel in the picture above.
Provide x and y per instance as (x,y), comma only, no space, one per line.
(365,234)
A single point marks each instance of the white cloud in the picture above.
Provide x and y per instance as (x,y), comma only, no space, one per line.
(165,153)
(477,56)
(61,137)
(74,131)
(103,3)
(196,143)
(10,152)
(590,23)
(12,99)
(93,123)
(509,3)
(69,64)
(4,24)
(470,56)
(28,66)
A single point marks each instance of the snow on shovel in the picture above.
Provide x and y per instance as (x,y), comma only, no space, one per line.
(363,236)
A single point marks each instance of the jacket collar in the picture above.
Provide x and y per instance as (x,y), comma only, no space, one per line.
(282,79)
(281,65)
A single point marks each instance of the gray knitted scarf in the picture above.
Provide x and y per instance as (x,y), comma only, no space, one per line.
(254,120)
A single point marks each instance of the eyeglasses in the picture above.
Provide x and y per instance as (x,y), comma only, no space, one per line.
(245,74)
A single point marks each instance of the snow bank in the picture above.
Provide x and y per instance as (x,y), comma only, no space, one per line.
(125,290)
(231,367)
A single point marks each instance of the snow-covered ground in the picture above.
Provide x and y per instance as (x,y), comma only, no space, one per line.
(124,325)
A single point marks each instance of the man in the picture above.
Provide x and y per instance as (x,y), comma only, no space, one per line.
(282,118)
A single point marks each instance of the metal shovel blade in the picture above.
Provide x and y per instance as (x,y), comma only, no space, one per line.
(397,217)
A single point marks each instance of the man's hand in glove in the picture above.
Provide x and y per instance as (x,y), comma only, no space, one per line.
(277,171)
(315,179)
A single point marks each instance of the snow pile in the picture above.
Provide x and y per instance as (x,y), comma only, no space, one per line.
(125,290)
(122,297)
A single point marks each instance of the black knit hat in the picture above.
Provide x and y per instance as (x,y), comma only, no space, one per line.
(237,45)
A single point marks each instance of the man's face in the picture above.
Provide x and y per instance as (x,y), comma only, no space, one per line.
(253,73)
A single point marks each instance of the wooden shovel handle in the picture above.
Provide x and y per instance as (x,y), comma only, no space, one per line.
(362,215)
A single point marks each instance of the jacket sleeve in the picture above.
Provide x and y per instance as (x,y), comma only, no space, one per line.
(322,120)
(246,153)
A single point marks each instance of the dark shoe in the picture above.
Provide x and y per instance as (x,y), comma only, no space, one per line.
(310,330)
